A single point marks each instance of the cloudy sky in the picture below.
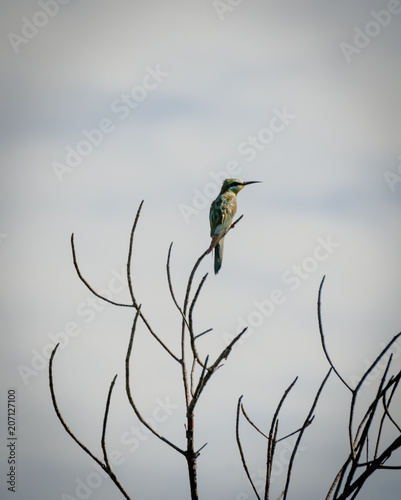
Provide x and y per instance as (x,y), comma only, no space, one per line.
(105,104)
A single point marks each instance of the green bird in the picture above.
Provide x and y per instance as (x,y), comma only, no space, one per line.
(222,211)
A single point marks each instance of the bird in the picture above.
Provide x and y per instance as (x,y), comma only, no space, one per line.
(222,211)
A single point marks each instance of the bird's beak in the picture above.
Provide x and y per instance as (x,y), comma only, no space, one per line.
(250,182)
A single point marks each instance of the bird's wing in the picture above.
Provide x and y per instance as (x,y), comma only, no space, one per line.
(221,215)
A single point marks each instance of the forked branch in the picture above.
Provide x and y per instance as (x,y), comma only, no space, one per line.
(273,440)
(129,393)
(130,286)
(104,465)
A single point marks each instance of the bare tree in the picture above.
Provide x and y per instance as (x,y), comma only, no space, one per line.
(197,372)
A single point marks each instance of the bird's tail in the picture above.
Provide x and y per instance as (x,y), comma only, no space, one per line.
(218,255)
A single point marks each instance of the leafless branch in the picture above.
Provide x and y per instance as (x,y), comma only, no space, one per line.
(106,415)
(252,423)
(203,333)
(386,404)
(273,440)
(319,315)
(130,286)
(349,480)
(306,424)
(205,377)
(130,249)
(220,236)
(241,452)
(170,286)
(105,466)
(375,362)
(191,309)
(131,289)
(128,388)
(90,288)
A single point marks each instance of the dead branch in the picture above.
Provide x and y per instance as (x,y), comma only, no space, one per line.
(319,315)
(105,466)
(130,286)
(86,283)
(128,388)
(273,440)
(306,424)
(106,415)
(351,477)
(241,452)
(218,237)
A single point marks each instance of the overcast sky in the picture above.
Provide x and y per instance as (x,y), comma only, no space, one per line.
(105,104)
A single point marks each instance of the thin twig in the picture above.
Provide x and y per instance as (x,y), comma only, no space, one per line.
(131,289)
(190,325)
(251,423)
(298,430)
(205,379)
(191,309)
(271,448)
(134,302)
(128,389)
(203,333)
(319,315)
(383,418)
(241,452)
(372,366)
(104,466)
(272,435)
(170,286)
(199,387)
(386,405)
(200,449)
(264,435)
(306,424)
(53,395)
(74,257)
(130,248)
(106,415)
